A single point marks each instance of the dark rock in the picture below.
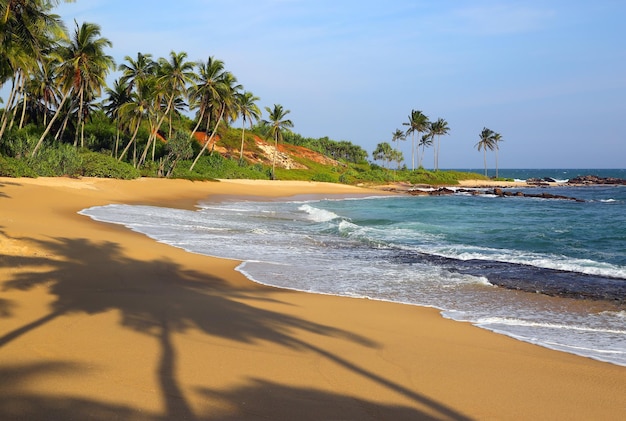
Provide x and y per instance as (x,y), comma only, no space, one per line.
(536,182)
(594,179)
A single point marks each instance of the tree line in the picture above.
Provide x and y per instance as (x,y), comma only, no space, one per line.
(56,79)
(429,135)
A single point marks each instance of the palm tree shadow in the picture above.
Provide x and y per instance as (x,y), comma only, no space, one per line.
(160,298)
(258,399)
(17,404)
(279,402)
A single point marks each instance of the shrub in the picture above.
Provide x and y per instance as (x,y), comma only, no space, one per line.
(12,167)
(100,165)
(57,159)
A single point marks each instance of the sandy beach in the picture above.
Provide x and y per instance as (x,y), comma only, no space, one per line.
(101,323)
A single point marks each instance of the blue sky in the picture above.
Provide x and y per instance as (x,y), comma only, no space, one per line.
(550,76)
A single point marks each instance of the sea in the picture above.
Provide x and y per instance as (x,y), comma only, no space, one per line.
(551,272)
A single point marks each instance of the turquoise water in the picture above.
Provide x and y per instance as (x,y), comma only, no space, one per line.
(550,272)
(557,174)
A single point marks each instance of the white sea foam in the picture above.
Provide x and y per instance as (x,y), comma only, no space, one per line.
(317,214)
(359,260)
(486,321)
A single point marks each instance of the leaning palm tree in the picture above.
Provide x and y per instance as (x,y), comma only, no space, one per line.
(221,106)
(486,142)
(209,84)
(277,123)
(439,127)
(27,31)
(173,76)
(418,123)
(497,138)
(83,69)
(134,111)
(248,110)
(89,65)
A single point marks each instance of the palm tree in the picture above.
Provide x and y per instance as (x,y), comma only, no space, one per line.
(497,138)
(173,75)
(248,111)
(209,84)
(83,69)
(438,128)
(117,97)
(221,106)
(384,152)
(277,123)
(418,122)
(138,108)
(136,70)
(27,32)
(486,142)
(425,141)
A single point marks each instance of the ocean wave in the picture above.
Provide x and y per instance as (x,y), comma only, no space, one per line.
(317,214)
(486,321)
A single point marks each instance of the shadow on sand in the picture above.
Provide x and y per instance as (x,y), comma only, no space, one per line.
(160,298)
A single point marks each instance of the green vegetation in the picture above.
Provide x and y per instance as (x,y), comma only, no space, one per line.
(60,118)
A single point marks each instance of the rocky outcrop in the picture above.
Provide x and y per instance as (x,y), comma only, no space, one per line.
(497,192)
(594,179)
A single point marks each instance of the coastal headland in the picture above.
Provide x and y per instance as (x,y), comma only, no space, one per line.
(98,322)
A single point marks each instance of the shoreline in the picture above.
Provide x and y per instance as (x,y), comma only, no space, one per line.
(164,333)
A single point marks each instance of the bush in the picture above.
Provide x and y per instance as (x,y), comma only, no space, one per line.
(324,177)
(17,143)
(11,167)
(105,166)
(216,166)
(58,159)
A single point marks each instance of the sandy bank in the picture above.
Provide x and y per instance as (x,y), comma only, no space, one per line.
(98,322)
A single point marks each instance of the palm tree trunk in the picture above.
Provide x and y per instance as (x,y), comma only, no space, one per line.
(52,120)
(275,154)
(63,126)
(195,129)
(243,133)
(117,139)
(8,108)
(80,118)
(130,142)
(496,161)
(485,159)
(208,141)
(413,151)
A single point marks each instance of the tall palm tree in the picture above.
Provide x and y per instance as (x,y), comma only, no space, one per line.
(83,71)
(209,84)
(486,142)
(116,98)
(136,70)
(248,110)
(497,138)
(418,123)
(397,136)
(27,31)
(439,128)
(277,123)
(221,106)
(137,109)
(173,77)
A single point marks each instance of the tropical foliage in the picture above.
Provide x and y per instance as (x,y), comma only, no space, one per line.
(61,118)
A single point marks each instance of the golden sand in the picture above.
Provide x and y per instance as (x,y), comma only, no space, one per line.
(100,323)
